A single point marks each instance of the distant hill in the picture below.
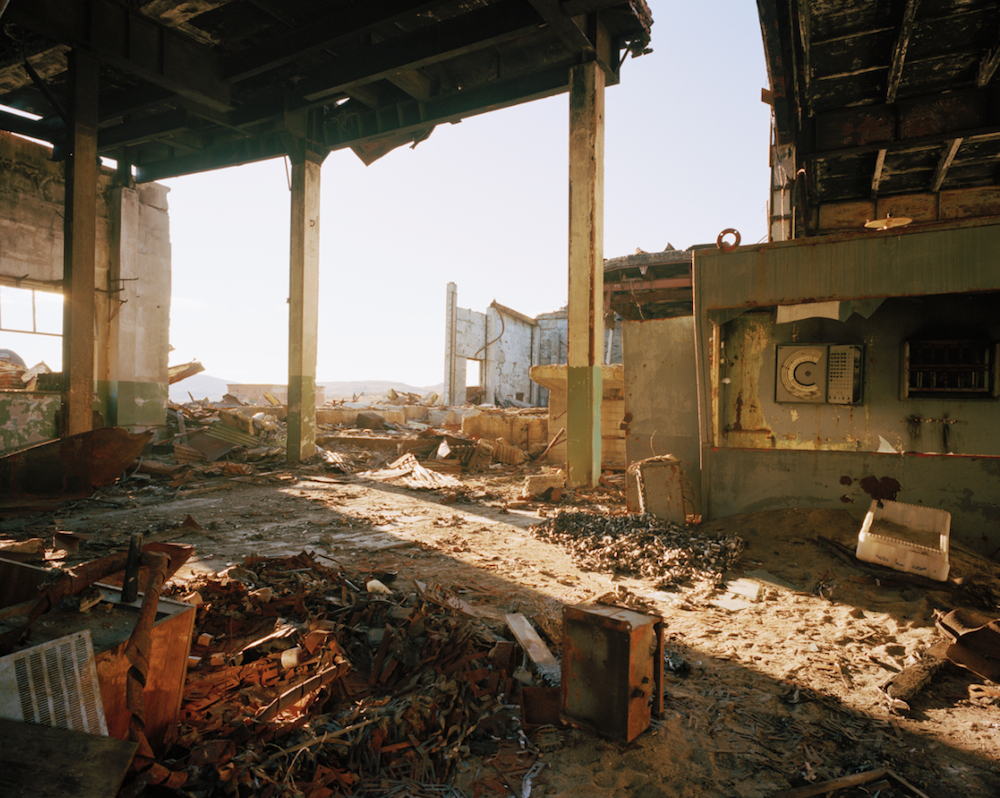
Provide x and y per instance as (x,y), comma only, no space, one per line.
(200,386)
(205,386)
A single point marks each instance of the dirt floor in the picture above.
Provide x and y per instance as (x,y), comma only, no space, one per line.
(759,697)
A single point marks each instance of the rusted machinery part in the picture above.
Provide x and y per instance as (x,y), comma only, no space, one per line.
(725,246)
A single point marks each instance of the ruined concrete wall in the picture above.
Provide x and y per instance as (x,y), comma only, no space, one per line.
(132,273)
(27,417)
(253,394)
(508,357)
(661,393)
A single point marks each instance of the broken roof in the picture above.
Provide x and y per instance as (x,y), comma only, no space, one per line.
(877,100)
(191,86)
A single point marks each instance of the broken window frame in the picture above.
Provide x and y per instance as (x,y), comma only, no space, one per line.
(949,369)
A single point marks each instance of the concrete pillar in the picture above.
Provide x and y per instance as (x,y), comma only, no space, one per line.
(303,307)
(451,381)
(79,245)
(139,308)
(584,381)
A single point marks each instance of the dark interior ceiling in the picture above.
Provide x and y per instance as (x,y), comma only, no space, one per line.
(880,98)
(202,84)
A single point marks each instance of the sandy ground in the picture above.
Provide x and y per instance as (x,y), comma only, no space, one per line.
(780,693)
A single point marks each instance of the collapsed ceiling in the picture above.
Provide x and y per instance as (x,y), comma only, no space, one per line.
(203,84)
(881,99)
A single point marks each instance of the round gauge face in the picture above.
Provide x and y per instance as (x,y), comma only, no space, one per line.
(800,373)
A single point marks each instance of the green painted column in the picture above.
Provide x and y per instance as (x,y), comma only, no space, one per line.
(303,307)
(586,276)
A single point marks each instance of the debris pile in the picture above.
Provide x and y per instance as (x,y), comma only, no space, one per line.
(642,545)
(306,683)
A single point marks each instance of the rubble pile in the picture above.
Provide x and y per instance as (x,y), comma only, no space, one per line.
(642,545)
(307,683)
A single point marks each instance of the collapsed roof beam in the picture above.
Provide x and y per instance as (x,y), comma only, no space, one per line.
(899,50)
(115,35)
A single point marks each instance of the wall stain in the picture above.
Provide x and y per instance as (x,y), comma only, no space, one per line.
(885,488)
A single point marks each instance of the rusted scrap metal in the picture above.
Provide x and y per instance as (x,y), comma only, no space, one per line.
(643,545)
(72,466)
(327,688)
(975,642)
(612,670)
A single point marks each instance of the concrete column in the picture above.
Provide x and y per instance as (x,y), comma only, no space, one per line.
(303,308)
(139,297)
(79,245)
(584,379)
(450,391)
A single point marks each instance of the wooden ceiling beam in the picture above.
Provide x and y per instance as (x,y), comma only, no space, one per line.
(115,35)
(877,174)
(506,20)
(899,50)
(332,31)
(944,164)
(988,66)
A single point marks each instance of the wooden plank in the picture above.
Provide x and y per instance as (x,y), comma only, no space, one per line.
(534,646)
(44,762)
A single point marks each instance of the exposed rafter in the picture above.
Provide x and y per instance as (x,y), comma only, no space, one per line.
(899,50)
(877,173)
(120,37)
(944,164)
(988,66)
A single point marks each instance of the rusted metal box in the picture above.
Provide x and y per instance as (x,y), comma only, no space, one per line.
(612,670)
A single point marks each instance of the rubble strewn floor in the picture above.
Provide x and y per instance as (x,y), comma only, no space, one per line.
(760,695)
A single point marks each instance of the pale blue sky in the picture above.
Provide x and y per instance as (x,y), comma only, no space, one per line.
(482,203)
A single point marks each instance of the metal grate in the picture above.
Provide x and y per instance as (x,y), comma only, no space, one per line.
(54,684)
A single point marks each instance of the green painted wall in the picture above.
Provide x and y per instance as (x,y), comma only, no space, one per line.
(27,417)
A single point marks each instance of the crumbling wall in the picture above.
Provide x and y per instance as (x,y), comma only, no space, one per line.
(132,273)
(509,356)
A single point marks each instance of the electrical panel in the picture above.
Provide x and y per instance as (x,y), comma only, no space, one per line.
(819,374)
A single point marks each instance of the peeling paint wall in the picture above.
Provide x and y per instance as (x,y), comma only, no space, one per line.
(752,418)
(27,417)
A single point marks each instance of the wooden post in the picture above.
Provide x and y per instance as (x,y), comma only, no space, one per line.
(584,378)
(303,307)
(79,243)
